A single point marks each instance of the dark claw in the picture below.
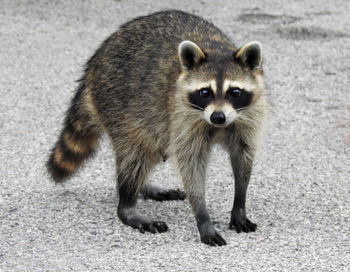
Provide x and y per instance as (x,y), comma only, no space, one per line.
(251,225)
(152,227)
(219,240)
(141,229)
(160,226)
(213,240)
(242,224)
(208,241)
(245,228)
(238,228)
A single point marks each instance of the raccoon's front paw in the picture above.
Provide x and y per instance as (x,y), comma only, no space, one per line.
(240,222)
(152,227)
(213,240)
(211,237)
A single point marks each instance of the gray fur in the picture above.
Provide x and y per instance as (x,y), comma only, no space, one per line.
(136,89)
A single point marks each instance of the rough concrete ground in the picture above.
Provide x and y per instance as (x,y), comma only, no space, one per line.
(299,193)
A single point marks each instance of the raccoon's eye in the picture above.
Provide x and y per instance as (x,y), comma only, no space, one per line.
(235,92)
(204,93)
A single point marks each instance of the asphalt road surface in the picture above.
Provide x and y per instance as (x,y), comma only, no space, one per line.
(299,192)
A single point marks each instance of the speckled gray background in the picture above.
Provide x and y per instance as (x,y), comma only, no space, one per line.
(299,193)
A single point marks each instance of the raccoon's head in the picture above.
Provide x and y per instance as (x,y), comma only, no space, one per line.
(221,83)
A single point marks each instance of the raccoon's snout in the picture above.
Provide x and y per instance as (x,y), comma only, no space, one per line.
(218,118)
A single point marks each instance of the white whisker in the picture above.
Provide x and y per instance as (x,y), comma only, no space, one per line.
(241,109)
(193,105)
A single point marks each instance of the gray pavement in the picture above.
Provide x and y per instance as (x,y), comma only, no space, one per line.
(299,193)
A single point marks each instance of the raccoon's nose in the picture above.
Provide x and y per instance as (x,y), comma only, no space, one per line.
(218,118)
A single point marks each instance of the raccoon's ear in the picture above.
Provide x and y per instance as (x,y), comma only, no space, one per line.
(251,55)
(190,54)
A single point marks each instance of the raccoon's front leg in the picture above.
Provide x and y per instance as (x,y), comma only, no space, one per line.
(192,161)
(241,161)
(195,191)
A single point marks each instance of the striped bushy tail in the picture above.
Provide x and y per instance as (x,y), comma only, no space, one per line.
(77,142)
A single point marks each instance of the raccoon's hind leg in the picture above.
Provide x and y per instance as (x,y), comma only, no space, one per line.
(160,194)
(132,172)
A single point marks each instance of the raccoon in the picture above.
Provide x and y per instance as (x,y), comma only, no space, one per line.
(169,84)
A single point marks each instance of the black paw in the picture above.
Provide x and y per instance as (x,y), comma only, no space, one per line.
(152,227)
(209,235)
(213,239)
(173,195)
(164,195)
(240,223)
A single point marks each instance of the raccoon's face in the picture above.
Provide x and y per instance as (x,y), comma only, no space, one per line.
(222,86)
